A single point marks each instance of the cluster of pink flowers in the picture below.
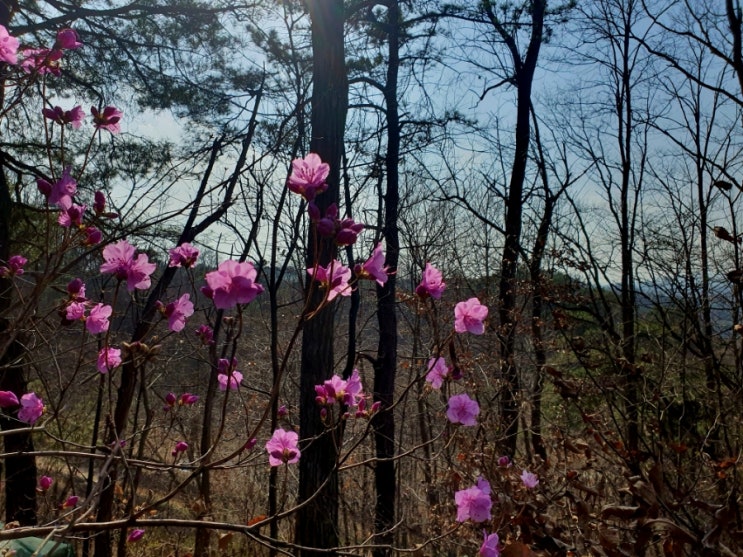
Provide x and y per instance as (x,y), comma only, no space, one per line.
(229,378)
(345,231)
(13,267)
(283,448)
(186,399)
(97,319)
(348,392)
(31,405)
(474,503)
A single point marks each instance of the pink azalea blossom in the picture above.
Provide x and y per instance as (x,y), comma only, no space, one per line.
(345,232)
(60,193)
(93,236)
(14,266)
(374,267)
(67,39)
(462,410)
(71,502)
(228,377)
(529,479)
(170,400)
(8,399)
(99,202)
(120,262)
(504,461)
(469,317)
(108,359)
(97,321)
(233,283)
(42,61)
(490,546)
(205,334)
(333,278)
(177,312)
(283,448)
(308,176)
(474,503)
(45,482)
(437,372)
(32,407)
(431,283)
(58,115)
(135,535)
(76,289)
(72,216)
(8,47)
(184,255)
(180,447)
(107,119)
(75,311)
(188,399)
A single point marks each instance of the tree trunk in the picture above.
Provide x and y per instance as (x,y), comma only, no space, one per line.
(317,520)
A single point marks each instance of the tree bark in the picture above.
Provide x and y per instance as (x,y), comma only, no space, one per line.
(317,520)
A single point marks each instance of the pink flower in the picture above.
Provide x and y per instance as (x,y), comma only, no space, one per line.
(184,255)
(229,377)
(437,372)
(71,216)
(60,116)
(469,316)
(107,119)
(187,399)
(8,399)
(93,236)
(529,479)
(180,447)
(373,268)
(32,407)
(345,231)
(14,267)
(60,193)
(76,289)
(233,283)
(177,312)
(42,61)
(120,262)
(431,283)
(308,176)
(45,482)
(490,546)
(170,400)
(135,535)
(108,359)
(462,410)
(333,278)
(474,502)
(8,47)
(71,502)
(75,311)
(99,202)
(206,334)
(504,461)
(97,321)
(283,448)
(67,39)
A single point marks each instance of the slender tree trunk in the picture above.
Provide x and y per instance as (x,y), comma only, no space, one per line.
(523,72)
(386,363)
(317,520)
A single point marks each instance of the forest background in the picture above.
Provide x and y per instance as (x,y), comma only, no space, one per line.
(575,166)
